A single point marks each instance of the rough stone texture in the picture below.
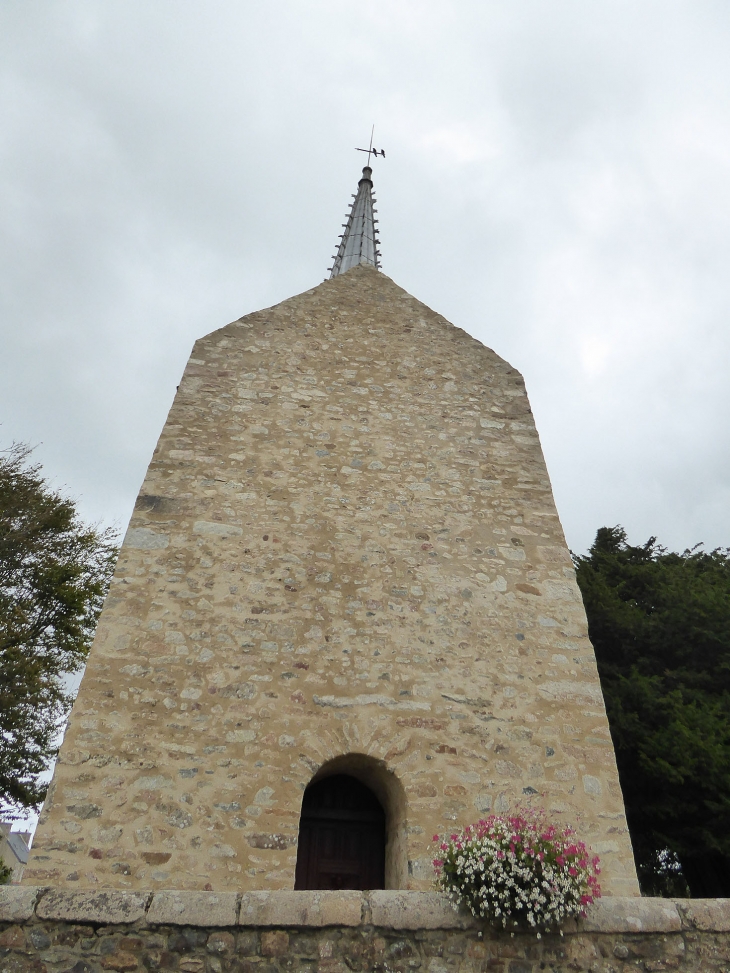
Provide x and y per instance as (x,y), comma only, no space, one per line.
(17,904)
(706,914)
(197,908)
(345,547)
(110,906)
(417,910)
(634,915)
(301,908)
(680,935)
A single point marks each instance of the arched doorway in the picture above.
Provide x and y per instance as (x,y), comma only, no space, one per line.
(341,836)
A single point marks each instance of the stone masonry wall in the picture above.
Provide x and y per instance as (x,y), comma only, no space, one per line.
(345,549)
(53,931)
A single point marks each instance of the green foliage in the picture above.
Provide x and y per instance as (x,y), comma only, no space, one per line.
(6,874)
(660,625)
(54,574)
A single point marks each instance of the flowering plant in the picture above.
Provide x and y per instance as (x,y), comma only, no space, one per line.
(516,870)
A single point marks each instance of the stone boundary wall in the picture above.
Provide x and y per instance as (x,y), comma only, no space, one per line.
(46,930)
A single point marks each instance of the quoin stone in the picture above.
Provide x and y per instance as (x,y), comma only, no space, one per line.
(345,561)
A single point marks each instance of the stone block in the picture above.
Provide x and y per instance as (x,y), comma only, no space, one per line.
(12,938)
(417,910)
(709,915)
(631,914)
(108,906)
(193,909)
(17,902)
(287,908)
(121,962)
(220,943)
(274,943)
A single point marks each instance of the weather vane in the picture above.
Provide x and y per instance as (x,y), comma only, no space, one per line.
(371,150)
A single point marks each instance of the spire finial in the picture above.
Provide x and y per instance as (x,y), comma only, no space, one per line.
(371,150)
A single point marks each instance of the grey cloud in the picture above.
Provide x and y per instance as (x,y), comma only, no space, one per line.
(556,182)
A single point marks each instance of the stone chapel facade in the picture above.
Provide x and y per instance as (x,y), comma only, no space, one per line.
(345,559)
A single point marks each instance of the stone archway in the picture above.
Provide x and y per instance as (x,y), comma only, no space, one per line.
(353,809)
(341,836)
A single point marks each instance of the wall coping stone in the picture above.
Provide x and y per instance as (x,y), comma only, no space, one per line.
(400,910)
(632,915)
(288,908)
(707,915)
(17,902)
(106,906)
(172,908)
(417,910)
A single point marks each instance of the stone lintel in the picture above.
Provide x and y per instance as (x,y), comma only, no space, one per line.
(398,910)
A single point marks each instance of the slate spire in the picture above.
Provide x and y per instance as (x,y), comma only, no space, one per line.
(359,242)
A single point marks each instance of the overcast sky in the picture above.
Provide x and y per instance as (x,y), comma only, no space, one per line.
(556,183)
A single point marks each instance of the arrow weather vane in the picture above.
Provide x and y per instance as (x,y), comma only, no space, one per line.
(371,150)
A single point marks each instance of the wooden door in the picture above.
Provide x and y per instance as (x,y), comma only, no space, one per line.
(341,837)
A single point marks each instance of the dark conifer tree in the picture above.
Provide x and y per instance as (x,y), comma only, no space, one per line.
(660,624)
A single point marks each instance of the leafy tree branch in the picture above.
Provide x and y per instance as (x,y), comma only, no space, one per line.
(54,575)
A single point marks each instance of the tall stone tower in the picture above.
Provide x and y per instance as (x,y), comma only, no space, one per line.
(344,616)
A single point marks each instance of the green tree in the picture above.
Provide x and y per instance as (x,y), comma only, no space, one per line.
(660,625)
(54,574)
